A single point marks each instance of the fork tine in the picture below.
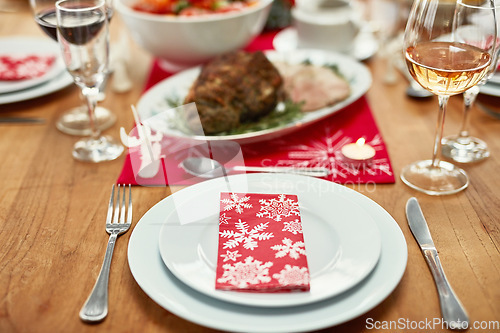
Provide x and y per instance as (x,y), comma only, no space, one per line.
(116,210)
(110,206)
(129,212)
(122,210)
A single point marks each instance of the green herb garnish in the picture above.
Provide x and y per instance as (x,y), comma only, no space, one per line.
(285,113)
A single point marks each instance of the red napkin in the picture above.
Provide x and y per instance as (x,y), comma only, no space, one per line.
(13,68)
(261,244)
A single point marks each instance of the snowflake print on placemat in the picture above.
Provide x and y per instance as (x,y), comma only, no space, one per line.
(293,275)
(236,203)
(326,152)
(276,209)
(295,227)
(223,219)
(294,250)
(244,273)
(245,236)
(231,255)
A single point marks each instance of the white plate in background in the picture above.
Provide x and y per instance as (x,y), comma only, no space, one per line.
(24,46)
(154,101)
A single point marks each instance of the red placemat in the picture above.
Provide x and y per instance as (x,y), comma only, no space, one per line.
(315,145)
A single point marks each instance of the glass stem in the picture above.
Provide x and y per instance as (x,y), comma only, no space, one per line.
(91,95)
(443,102)
(469,99)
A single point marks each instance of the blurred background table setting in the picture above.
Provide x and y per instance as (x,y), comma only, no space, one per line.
(292,86)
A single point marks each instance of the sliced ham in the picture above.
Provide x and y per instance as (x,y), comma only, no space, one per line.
(314,86)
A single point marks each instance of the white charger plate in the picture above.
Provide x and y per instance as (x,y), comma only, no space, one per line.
(166,290)
(154,101)
(31,46)
(342,244)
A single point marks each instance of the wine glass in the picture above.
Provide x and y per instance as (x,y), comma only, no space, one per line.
(74,121)
(82,32)
(462,147)
(444,63)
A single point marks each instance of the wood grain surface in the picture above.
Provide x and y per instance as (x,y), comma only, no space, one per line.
(52,209)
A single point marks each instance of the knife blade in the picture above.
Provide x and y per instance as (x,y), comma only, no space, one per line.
(23,120)
(452,310)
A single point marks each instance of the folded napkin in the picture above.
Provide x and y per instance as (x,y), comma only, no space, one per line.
(22,67)
(261,244)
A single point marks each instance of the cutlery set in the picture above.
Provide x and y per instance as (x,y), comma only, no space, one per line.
(21,120)
(119,219)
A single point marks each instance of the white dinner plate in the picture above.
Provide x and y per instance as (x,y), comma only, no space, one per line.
(342,243)
(495,78)
(491,89)
(61,81)
(164,288)
(24,46)
(155,100)
(365,45)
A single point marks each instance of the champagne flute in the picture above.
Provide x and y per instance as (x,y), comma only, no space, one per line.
(74,121)
(445,64)
(82,32)
(464,148)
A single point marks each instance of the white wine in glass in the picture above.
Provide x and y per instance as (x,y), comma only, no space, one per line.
(74,121)
(463,147)
(445,64)
(82,32)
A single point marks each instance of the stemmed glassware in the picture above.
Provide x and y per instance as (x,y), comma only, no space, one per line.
(446,64)
(74,121)
(463,147)
(82,32)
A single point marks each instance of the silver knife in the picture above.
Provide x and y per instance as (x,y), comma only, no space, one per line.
(452,310)
(22,120)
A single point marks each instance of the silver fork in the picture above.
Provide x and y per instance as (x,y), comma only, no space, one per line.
(96,307)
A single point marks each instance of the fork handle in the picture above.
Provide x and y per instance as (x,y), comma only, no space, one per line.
(96,307)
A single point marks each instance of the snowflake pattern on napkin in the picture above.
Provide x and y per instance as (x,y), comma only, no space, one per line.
(261,244)
(13,68)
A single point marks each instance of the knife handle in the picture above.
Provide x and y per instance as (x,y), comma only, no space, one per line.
(452,310)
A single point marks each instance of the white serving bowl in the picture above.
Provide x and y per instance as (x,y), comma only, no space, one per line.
(184,41)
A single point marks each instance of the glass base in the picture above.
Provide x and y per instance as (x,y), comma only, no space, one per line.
(105,148)
(446,178)
(464,150)
(76,121)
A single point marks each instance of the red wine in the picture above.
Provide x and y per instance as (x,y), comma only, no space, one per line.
(82,29)
(47,20)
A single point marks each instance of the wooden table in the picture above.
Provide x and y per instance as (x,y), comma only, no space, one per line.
(52,209)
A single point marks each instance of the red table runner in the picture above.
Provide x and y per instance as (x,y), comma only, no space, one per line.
(315,145)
